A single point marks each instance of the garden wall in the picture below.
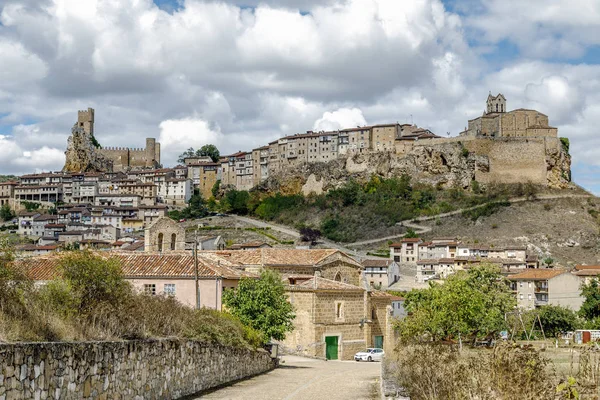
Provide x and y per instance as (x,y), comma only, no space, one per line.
(152,369)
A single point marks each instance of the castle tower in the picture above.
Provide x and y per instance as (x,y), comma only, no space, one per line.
(150,152)
(496,104)
(85,120)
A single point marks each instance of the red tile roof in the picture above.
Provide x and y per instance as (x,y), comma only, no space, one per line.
(537,274)
(141,265)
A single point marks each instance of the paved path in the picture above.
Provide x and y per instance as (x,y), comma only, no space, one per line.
(307,379)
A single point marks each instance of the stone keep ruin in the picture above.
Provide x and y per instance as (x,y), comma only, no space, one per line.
(85,155)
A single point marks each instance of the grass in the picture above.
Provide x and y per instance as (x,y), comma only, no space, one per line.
(90,300)
(509,371)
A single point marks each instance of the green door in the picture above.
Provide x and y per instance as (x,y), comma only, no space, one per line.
(331,347)
(378,342)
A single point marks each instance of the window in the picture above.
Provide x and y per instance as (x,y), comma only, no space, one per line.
(173,240)
(160,241)
(339,310)
(529,296)
(150,288)
(520,284)
(521,296)
(169,289)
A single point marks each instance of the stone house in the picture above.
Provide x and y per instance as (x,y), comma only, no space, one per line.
(335,320)
(329,263)
(7,193)
(380,274)
(164,235)
(204,175)
(538,287)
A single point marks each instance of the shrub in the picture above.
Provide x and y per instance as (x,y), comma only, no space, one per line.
(430,372)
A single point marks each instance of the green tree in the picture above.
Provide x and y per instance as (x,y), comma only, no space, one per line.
(30,206)
(237,200)
(188,153)
(469,304)
(215,188)
(556,320)
(93,279)
(549,261)
(590,309)
(410,234)
(6,213)
(209,150)
(262,304)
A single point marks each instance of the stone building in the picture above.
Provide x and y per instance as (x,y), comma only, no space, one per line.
(164,235)
(123,158)
(328,263)
(204,175)
(7,192)
(496,121)
(336,320)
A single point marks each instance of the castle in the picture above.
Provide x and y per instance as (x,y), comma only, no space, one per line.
(122,158)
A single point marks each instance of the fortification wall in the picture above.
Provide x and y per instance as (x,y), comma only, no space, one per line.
(153,369)
(511,160)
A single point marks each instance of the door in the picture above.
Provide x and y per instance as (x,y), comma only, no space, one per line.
(331,347)
(378,342)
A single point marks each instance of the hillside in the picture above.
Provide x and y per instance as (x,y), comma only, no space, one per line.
(566,230)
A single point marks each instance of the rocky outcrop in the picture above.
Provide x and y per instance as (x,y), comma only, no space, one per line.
(449,163)
(82,155)
(447,166)
(558,165)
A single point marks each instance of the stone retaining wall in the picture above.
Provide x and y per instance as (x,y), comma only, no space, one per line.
(153,369)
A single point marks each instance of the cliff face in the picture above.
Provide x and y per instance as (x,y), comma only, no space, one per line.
(448,164)
(82,155)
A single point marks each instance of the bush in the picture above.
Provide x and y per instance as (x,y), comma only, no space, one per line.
(90,300)
(430,372)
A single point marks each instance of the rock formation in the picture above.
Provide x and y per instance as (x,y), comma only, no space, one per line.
(82,155)
(448,164)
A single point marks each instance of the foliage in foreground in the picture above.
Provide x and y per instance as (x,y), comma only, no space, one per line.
(262,304)
(440,372)
(90,300)
(468,304)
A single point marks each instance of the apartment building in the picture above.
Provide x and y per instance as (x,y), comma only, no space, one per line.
(45,195)
(178,191)
(539,287)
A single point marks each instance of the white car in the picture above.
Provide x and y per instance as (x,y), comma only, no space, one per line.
(373,354)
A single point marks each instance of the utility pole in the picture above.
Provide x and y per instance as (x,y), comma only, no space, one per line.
(196,268)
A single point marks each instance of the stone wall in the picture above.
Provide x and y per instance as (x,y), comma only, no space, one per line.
(156,369)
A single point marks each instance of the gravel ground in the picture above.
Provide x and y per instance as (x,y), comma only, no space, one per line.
(305,378)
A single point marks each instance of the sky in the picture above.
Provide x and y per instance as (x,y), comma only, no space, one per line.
(239,74)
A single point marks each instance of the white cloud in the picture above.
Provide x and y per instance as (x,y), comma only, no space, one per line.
(212,71)
(342,118)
